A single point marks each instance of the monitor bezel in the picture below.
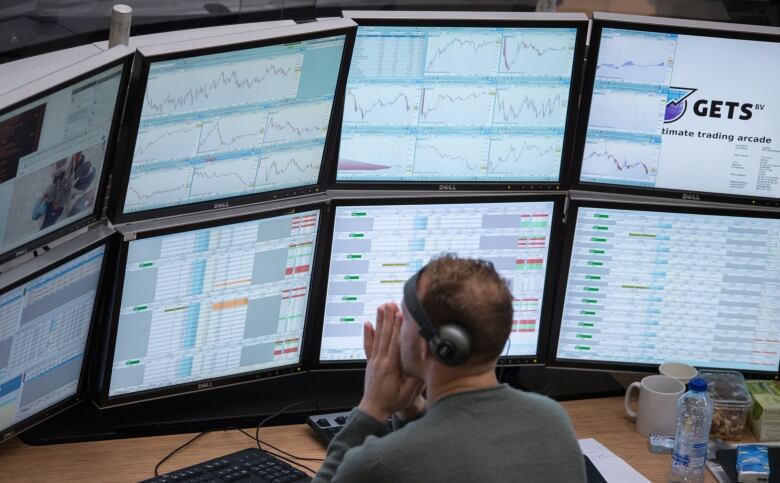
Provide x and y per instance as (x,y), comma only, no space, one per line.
(552,270)
(650,24)
(565,263)
(111,142)
(102,398)
(256,39)
(487,20)
(110,244)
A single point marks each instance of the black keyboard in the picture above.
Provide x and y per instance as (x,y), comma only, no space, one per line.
(246,466)
(326,426)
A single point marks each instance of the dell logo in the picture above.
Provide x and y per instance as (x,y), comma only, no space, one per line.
(692,197)
(221,204)
(205,385)
(448,187)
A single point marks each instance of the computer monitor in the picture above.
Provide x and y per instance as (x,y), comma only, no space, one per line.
(211,305)
(683,109)
(46,320)
(376,245)
(643,285)
(466,100)
(232,119)
(56,135)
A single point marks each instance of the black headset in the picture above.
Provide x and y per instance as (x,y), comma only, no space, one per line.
(451,343)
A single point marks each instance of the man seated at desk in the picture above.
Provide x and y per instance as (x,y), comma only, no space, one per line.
(457,316)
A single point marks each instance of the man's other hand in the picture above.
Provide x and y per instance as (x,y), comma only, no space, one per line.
(386,389)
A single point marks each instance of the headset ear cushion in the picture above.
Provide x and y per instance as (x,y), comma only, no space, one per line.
(454,344)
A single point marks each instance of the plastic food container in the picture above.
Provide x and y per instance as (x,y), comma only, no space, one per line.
(731,403)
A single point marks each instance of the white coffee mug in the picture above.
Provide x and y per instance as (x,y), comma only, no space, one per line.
(682,372)
(657,405)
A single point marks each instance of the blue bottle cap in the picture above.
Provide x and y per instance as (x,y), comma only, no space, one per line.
(698,384)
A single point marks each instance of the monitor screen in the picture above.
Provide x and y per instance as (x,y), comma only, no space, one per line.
(647,287)
(457,104)
(44,324)
(376,248)
(200,305)
(52,154)
(233,123)
(671,111)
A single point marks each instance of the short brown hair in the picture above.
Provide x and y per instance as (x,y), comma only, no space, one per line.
(471,293)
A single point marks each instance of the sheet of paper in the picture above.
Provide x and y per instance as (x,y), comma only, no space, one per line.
(612,468)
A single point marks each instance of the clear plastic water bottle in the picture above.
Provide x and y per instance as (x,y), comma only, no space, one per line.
(694,417)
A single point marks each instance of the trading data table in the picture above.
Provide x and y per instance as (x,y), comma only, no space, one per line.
(213,302)
(44,325)
(377,248)
(648,287)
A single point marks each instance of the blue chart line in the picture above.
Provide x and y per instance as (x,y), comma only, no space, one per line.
(298,123)
(532,106)
(456,106)
(222,85)
(448,156)
(166,141)
(620,160)
(219,178)
(456,55)
(296,167)
(537,54)
(230,133)
(525,157)
(633,58)
(382,105)
(627,111)
(158,187)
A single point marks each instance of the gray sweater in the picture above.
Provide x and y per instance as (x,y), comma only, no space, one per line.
(489,435)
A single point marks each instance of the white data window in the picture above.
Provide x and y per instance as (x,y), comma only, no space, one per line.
(671,111)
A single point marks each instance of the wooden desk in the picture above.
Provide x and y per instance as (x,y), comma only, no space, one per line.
(134,459)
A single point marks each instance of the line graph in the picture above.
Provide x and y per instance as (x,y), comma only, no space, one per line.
(217,179)
(374,157)
(293,167)
(298,123)
(451,156)
(525,157)
(462,54)
(382,104)
(230,83)
(232,133)
(166,141)
(158,187)
(634,112)
(532,106)
(620,160)
(538,53)
(456,106)
(635,58)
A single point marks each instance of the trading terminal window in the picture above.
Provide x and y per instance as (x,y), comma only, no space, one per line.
(213,302)
(377,248)
(461,104)
(234,123)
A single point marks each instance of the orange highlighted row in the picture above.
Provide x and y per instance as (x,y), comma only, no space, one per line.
(229,304)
